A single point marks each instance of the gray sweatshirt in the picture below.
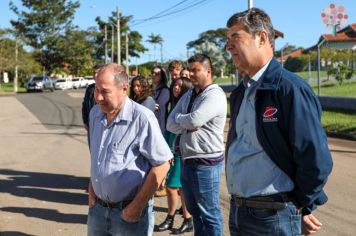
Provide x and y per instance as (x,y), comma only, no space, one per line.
(202,130)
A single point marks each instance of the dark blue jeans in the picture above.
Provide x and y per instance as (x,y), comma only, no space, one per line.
(264,222)
(201,187)
(103,221)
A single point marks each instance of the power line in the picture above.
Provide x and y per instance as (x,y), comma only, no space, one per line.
(170,8)
(193,4)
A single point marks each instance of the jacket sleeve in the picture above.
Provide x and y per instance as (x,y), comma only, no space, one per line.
(310,149)
(211,106)
(85,106)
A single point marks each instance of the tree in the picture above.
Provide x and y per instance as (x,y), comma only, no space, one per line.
(342,72)
(26,62)
(135,38)
(77,48)
(42,24)
(218,37)
(214,40)
(155,39)
(212,51)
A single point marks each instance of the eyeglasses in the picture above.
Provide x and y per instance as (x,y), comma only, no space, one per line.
(156,73)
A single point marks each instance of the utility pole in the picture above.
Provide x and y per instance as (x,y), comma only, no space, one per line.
(161,53)
(16,67)
(250,4)
(106,44)
(112,43)
(319,45)
(118,37)
(127,52)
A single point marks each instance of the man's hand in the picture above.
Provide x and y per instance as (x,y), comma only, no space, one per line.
(157,106)
(131,214)
(91,196)
(310,224)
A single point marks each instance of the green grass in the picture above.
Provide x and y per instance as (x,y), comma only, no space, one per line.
(347,89)
(9,87)
(313,74)
(343,122)
(224,80)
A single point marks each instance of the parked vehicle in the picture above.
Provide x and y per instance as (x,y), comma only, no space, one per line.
(63,84)
(90,80)
(40,83)
(79,82)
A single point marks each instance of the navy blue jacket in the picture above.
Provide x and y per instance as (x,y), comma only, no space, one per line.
(288,127)
(88,103)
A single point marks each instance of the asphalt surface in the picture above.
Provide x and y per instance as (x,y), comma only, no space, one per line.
(44,169)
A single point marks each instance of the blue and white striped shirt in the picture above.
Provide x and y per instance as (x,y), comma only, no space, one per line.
(123,152)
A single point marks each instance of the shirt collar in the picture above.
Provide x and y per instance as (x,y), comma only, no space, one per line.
(259,73)
(124,114)
(126,111)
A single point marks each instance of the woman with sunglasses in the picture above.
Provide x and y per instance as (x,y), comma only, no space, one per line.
(161,95)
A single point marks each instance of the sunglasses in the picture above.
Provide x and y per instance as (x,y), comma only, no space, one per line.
(156,73)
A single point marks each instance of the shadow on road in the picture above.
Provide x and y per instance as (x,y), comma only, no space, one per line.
(342,151)
(44,186)
(48,214)
(14,233)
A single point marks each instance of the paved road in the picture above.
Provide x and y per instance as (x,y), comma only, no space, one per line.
(44,164)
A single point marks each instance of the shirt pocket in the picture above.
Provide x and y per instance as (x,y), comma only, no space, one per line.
(117,152)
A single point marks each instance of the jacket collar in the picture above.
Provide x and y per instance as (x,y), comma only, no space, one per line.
(271,78)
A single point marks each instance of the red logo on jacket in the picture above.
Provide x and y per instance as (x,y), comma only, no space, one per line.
(269,114)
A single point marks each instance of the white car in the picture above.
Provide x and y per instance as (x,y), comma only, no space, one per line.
(63,84)
(90,80)
(79,82)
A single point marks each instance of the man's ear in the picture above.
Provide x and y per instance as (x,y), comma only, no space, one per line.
(125,87)
(263,38)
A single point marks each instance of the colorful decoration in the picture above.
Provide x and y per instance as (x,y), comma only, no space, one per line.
(334,16)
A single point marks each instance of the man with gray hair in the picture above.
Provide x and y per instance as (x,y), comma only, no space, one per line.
(129,158)
(277,156)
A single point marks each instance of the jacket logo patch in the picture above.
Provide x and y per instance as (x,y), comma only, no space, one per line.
(269,114)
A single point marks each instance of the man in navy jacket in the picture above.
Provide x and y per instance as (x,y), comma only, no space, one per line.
(277,157)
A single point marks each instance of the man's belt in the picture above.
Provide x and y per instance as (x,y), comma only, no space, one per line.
(120,205)
(275,202)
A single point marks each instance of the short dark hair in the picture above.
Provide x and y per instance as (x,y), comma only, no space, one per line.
(202,59)
(255,20)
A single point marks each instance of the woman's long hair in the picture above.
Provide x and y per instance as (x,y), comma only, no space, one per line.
(146,90)
(187,84)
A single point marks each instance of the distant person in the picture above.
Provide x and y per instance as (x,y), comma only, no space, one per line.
(140,92)
(129,158)
(89,101)
(174,69)
(199,118)
(173,183)
(161,94)
(185,73)
(278,159)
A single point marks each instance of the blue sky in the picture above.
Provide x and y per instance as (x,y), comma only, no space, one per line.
(299,20)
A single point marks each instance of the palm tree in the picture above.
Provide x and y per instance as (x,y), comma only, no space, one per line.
(155,39)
